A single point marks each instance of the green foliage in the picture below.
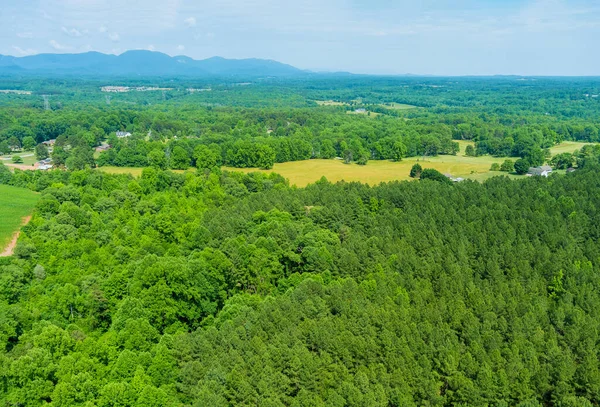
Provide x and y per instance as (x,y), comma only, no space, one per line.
(562,161)
(28,143)
(41,152)
(416,170)
(521,166)
(152,290)
(507,166)
(495,167)
(434,175)
(470,151)
(218,288)
(17,159)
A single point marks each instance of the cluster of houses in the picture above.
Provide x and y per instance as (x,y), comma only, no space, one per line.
(125,89)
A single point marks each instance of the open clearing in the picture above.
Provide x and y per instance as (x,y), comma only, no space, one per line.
(302,173)
(397,106)
(28,157)
(567,147)
(330,103)
(16,205)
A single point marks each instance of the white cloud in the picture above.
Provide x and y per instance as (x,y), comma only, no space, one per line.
(190,22)
(59,47)
(180,48)
(114,37)
(25,35)
(150,47)
(24,52)
(103,29)
(72,32)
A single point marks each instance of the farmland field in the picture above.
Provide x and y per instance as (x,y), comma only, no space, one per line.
(567,147)
(302,173)
(15,204)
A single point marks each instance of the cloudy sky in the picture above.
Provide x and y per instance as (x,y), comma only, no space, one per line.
(441,37)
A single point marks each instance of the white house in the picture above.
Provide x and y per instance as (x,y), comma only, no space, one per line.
(123,134)
(542,171)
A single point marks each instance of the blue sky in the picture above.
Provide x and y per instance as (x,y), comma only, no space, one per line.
(440,37)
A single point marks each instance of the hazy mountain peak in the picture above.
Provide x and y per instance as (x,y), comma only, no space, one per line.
(142,63)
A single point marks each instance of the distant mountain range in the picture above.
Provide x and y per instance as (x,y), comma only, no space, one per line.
(143,64)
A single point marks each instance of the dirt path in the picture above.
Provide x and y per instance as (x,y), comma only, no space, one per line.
(10,248)
(22,166)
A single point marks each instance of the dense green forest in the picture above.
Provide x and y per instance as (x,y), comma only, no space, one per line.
(229,289)
(259,123)
(217,288)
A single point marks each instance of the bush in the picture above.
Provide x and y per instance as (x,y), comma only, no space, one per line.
(470,151)
(521,166)
(415,171)
(435,175)
(495,167)
(17,159)
(507,166)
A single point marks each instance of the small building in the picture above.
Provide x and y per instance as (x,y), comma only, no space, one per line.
(49,143)
(542,171)
(123,134)
(103,147)
(360,110)
(45,167)
(570,170)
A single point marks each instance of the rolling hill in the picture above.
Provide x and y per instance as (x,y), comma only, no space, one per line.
(141,63)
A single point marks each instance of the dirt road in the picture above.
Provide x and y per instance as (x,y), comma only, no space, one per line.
(10,248)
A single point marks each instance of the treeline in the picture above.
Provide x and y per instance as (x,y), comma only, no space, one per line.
(503,116)
(263,152)
(230,289)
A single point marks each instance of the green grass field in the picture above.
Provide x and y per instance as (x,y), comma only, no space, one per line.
(302,173)
(397,106)
(567,147)
(15,204)
(29,160)
(330,103)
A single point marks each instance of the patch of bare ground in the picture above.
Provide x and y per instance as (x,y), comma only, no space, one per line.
(9,250)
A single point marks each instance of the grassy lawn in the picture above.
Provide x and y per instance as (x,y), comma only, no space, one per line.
(15,204)
(567,147)
(397,106)
(30,160)
(302,173)
(330,103)
(365,113)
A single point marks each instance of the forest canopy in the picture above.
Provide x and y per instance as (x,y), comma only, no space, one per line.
(217,288)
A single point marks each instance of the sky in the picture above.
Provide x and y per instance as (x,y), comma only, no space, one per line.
(428,37)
